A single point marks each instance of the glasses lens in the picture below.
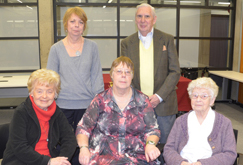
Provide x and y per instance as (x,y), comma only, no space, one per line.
(127,72)
(119,72)
(203,96)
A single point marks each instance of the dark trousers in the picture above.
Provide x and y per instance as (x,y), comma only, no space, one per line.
(74,116)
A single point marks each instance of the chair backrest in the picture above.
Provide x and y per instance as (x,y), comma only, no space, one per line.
(4,134)
(236,136)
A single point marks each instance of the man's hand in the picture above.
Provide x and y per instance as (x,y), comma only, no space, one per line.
(151,152)
(154,100)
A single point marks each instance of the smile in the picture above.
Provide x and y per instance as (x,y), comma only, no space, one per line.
(44,101)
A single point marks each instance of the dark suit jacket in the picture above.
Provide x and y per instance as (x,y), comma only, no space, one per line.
(166,68)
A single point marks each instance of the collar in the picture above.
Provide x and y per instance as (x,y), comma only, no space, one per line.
(136,100)
(41,114)
(150,34)
(112,100)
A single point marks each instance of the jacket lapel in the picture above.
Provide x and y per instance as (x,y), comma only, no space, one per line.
(135,58)
(158,48)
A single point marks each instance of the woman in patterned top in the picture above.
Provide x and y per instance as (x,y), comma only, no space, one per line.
(119,126)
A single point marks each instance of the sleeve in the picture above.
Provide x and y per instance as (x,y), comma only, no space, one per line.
(124,52)
(53,60)
(123,48)
(173,71)
(171,153)
(150,121)
(67,137)
(96,72)
(89,119)
(228,154)
(20,144)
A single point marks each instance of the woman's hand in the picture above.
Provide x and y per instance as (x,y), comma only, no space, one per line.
(151,152)
(84,156)
(59,161)
(185,163)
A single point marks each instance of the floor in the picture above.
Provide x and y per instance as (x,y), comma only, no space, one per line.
(235,114)
(232,111)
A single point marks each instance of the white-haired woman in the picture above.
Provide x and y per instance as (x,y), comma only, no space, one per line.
(202,136)
(39,126)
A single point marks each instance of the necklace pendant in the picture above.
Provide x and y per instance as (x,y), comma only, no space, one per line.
(78,53)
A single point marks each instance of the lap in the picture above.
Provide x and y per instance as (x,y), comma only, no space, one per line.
(107,158)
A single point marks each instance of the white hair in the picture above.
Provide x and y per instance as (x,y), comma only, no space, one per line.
(206,83)
(146,5)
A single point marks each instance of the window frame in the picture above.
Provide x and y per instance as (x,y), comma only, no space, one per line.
(177,37)
(36,4)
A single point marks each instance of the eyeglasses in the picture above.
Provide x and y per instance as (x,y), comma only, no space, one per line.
(120,72)
(202,96)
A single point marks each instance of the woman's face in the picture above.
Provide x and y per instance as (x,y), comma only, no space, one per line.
(201,100)
(122,76)
(75,26)
(43,95)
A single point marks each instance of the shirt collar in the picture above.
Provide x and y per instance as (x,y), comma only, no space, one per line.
(111,100)
(150,34)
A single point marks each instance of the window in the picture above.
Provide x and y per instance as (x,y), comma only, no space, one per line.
(19,38)
(203,29)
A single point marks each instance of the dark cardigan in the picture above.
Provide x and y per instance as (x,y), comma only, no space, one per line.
(24,133)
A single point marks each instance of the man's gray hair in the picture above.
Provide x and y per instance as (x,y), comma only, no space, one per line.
(146,5)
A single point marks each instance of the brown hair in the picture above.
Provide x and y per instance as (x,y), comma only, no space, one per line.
(125,61)
(77,11)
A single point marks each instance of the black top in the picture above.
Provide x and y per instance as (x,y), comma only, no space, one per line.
(25,132)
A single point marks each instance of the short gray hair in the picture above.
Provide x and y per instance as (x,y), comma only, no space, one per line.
(146,5)
(206,83)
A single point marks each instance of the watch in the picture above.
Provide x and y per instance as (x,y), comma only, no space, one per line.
(150,142)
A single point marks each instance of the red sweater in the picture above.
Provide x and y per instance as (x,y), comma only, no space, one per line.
(43,117)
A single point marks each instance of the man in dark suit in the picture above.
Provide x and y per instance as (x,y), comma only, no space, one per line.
(156,65)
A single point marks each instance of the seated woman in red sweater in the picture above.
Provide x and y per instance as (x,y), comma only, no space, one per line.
(39,126)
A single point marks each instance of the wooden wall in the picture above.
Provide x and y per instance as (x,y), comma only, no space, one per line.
(240,96)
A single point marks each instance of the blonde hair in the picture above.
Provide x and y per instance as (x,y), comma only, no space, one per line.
(44,77)
(206,83)
(77,11)
(146,5)
(125,61)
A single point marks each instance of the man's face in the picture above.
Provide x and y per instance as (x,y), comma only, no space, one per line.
(145,20)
